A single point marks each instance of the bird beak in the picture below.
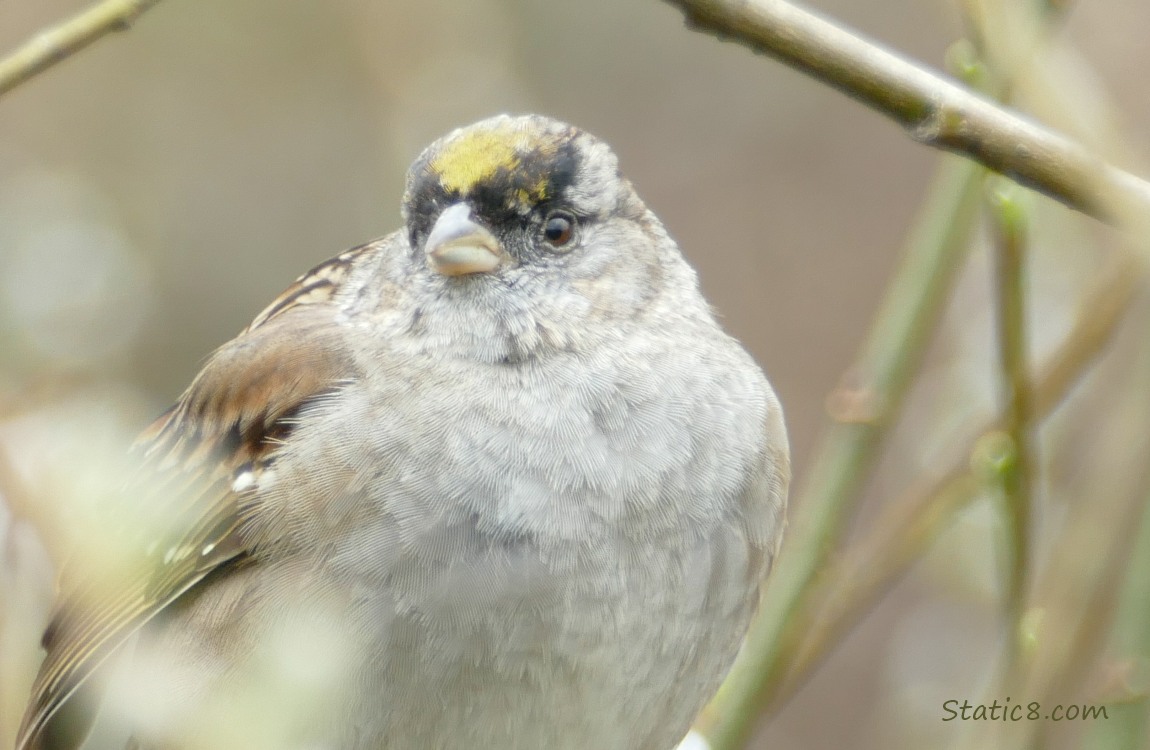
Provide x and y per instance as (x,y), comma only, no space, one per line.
(458,246)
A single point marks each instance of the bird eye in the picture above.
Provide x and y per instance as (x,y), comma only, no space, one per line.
(558,229)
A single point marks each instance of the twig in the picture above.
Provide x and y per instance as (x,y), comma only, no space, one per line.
(1128,725)
(55,44)
(1014,468)
(934,110)
(910,526)
(857,581)
(1100,610)
(864,415)
(865,406)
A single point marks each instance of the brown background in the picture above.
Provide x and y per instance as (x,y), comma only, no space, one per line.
(159,189)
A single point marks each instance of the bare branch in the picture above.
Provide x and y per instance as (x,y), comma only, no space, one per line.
(55,44)
(933,109)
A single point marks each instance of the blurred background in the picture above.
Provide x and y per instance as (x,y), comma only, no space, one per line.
(160,188)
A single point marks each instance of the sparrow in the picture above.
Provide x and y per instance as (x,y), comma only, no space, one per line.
(496,480)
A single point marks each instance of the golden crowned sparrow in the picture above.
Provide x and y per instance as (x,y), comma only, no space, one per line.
(497,480)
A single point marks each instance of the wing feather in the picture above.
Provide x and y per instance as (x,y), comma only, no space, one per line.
(235,416)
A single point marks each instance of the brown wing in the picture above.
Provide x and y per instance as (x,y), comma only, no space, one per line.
(317,286)
(197,460)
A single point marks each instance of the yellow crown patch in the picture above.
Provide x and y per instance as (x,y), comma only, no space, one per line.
(479,154)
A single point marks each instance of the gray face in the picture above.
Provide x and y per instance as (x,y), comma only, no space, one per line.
(523,239)
(537,185)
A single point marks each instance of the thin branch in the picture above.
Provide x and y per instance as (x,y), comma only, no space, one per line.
(907,528)
(1100,610)
(1008,219)
(1130,638)
(862,576)
(933,109)
(55,44)
(865,407)
(865,410)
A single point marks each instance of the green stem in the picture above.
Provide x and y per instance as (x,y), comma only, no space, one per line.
(885,367)
(1128,724)
(1016,467)
(907,528)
